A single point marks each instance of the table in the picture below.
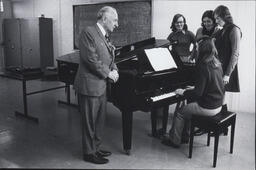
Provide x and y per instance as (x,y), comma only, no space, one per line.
(24,78)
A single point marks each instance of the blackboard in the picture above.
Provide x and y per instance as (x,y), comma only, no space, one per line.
(134,21)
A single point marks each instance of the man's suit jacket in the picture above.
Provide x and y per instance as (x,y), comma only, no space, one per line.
(96,61)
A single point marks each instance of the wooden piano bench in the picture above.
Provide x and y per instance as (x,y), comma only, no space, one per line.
(216,125)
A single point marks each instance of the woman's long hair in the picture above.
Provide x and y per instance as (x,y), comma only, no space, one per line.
(224,13)
(208,14)
(207,53)
(174,20)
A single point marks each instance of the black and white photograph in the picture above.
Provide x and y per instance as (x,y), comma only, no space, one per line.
(127,84)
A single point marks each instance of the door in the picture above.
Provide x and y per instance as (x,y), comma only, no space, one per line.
(12,44)
(30,43)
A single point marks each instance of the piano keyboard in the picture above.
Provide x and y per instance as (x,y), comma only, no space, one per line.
(162,96)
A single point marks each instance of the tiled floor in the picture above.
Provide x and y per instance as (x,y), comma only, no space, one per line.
(56,141)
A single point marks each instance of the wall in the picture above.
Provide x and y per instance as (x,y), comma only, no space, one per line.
(6,14)
(62,13)
(163,10)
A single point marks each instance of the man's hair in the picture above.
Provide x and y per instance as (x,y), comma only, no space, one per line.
(104,10)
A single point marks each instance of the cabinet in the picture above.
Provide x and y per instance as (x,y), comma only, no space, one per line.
(28,43)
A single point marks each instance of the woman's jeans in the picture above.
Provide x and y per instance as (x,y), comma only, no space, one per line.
(181,121)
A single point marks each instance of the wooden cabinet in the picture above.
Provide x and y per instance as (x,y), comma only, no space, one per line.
(28,43)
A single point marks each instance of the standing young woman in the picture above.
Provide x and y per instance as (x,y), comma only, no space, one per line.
(182,39)
(228,45)
(209,26)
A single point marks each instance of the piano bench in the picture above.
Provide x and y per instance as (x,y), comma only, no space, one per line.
(216,125)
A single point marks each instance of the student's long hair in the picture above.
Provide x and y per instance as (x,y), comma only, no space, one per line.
(207,53)
(208,14)
(174,20)
(224,13)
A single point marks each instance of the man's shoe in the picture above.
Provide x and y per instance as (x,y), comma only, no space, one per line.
(168,142)
(95,159)
(103,153)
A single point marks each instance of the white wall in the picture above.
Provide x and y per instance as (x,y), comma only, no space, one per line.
(243,13)
(163,10)
(62,13)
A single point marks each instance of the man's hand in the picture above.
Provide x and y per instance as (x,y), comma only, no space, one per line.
(113,75)
(170,47)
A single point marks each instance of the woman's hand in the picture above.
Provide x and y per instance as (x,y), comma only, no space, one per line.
(191,59)
(179,91)
(190,87)
(226,79)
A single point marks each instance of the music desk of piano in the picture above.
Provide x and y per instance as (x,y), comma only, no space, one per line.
(138,87)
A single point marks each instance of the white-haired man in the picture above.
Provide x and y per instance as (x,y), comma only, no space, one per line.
(95,69)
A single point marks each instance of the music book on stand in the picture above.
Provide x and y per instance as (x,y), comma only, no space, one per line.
(160,59)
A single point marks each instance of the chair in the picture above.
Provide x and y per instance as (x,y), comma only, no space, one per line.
(215,125)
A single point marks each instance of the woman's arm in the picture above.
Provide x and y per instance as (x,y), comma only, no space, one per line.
(199,34)
(235,37)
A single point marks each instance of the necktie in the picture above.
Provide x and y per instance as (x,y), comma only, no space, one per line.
(107,38)
(112,47)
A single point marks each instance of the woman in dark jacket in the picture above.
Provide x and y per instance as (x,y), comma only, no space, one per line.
(208,26)
(228,45)
(208,93)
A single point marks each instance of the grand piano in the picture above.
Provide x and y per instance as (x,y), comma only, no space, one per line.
(139,87)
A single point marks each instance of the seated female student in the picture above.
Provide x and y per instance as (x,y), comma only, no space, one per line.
(182,39)
(209,26)
(208,29)
(208,93)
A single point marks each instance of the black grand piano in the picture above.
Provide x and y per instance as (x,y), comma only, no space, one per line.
(139,87)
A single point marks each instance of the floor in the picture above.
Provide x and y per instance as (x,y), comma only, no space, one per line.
(55,142)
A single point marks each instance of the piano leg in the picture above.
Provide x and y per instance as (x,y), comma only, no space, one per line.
(155,115)
(127,130)
(165,118)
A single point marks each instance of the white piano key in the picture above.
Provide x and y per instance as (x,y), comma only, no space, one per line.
(162,96)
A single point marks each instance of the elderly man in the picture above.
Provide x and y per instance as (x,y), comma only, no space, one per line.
(95,69)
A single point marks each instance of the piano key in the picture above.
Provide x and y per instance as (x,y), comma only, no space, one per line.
(162,96)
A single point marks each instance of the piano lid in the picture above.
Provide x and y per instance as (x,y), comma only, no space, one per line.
(134,57)
(131,51)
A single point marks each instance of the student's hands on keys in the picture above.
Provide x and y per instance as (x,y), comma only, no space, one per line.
(190,87)
(179,91)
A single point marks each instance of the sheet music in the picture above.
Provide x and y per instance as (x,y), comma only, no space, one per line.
(160,59)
